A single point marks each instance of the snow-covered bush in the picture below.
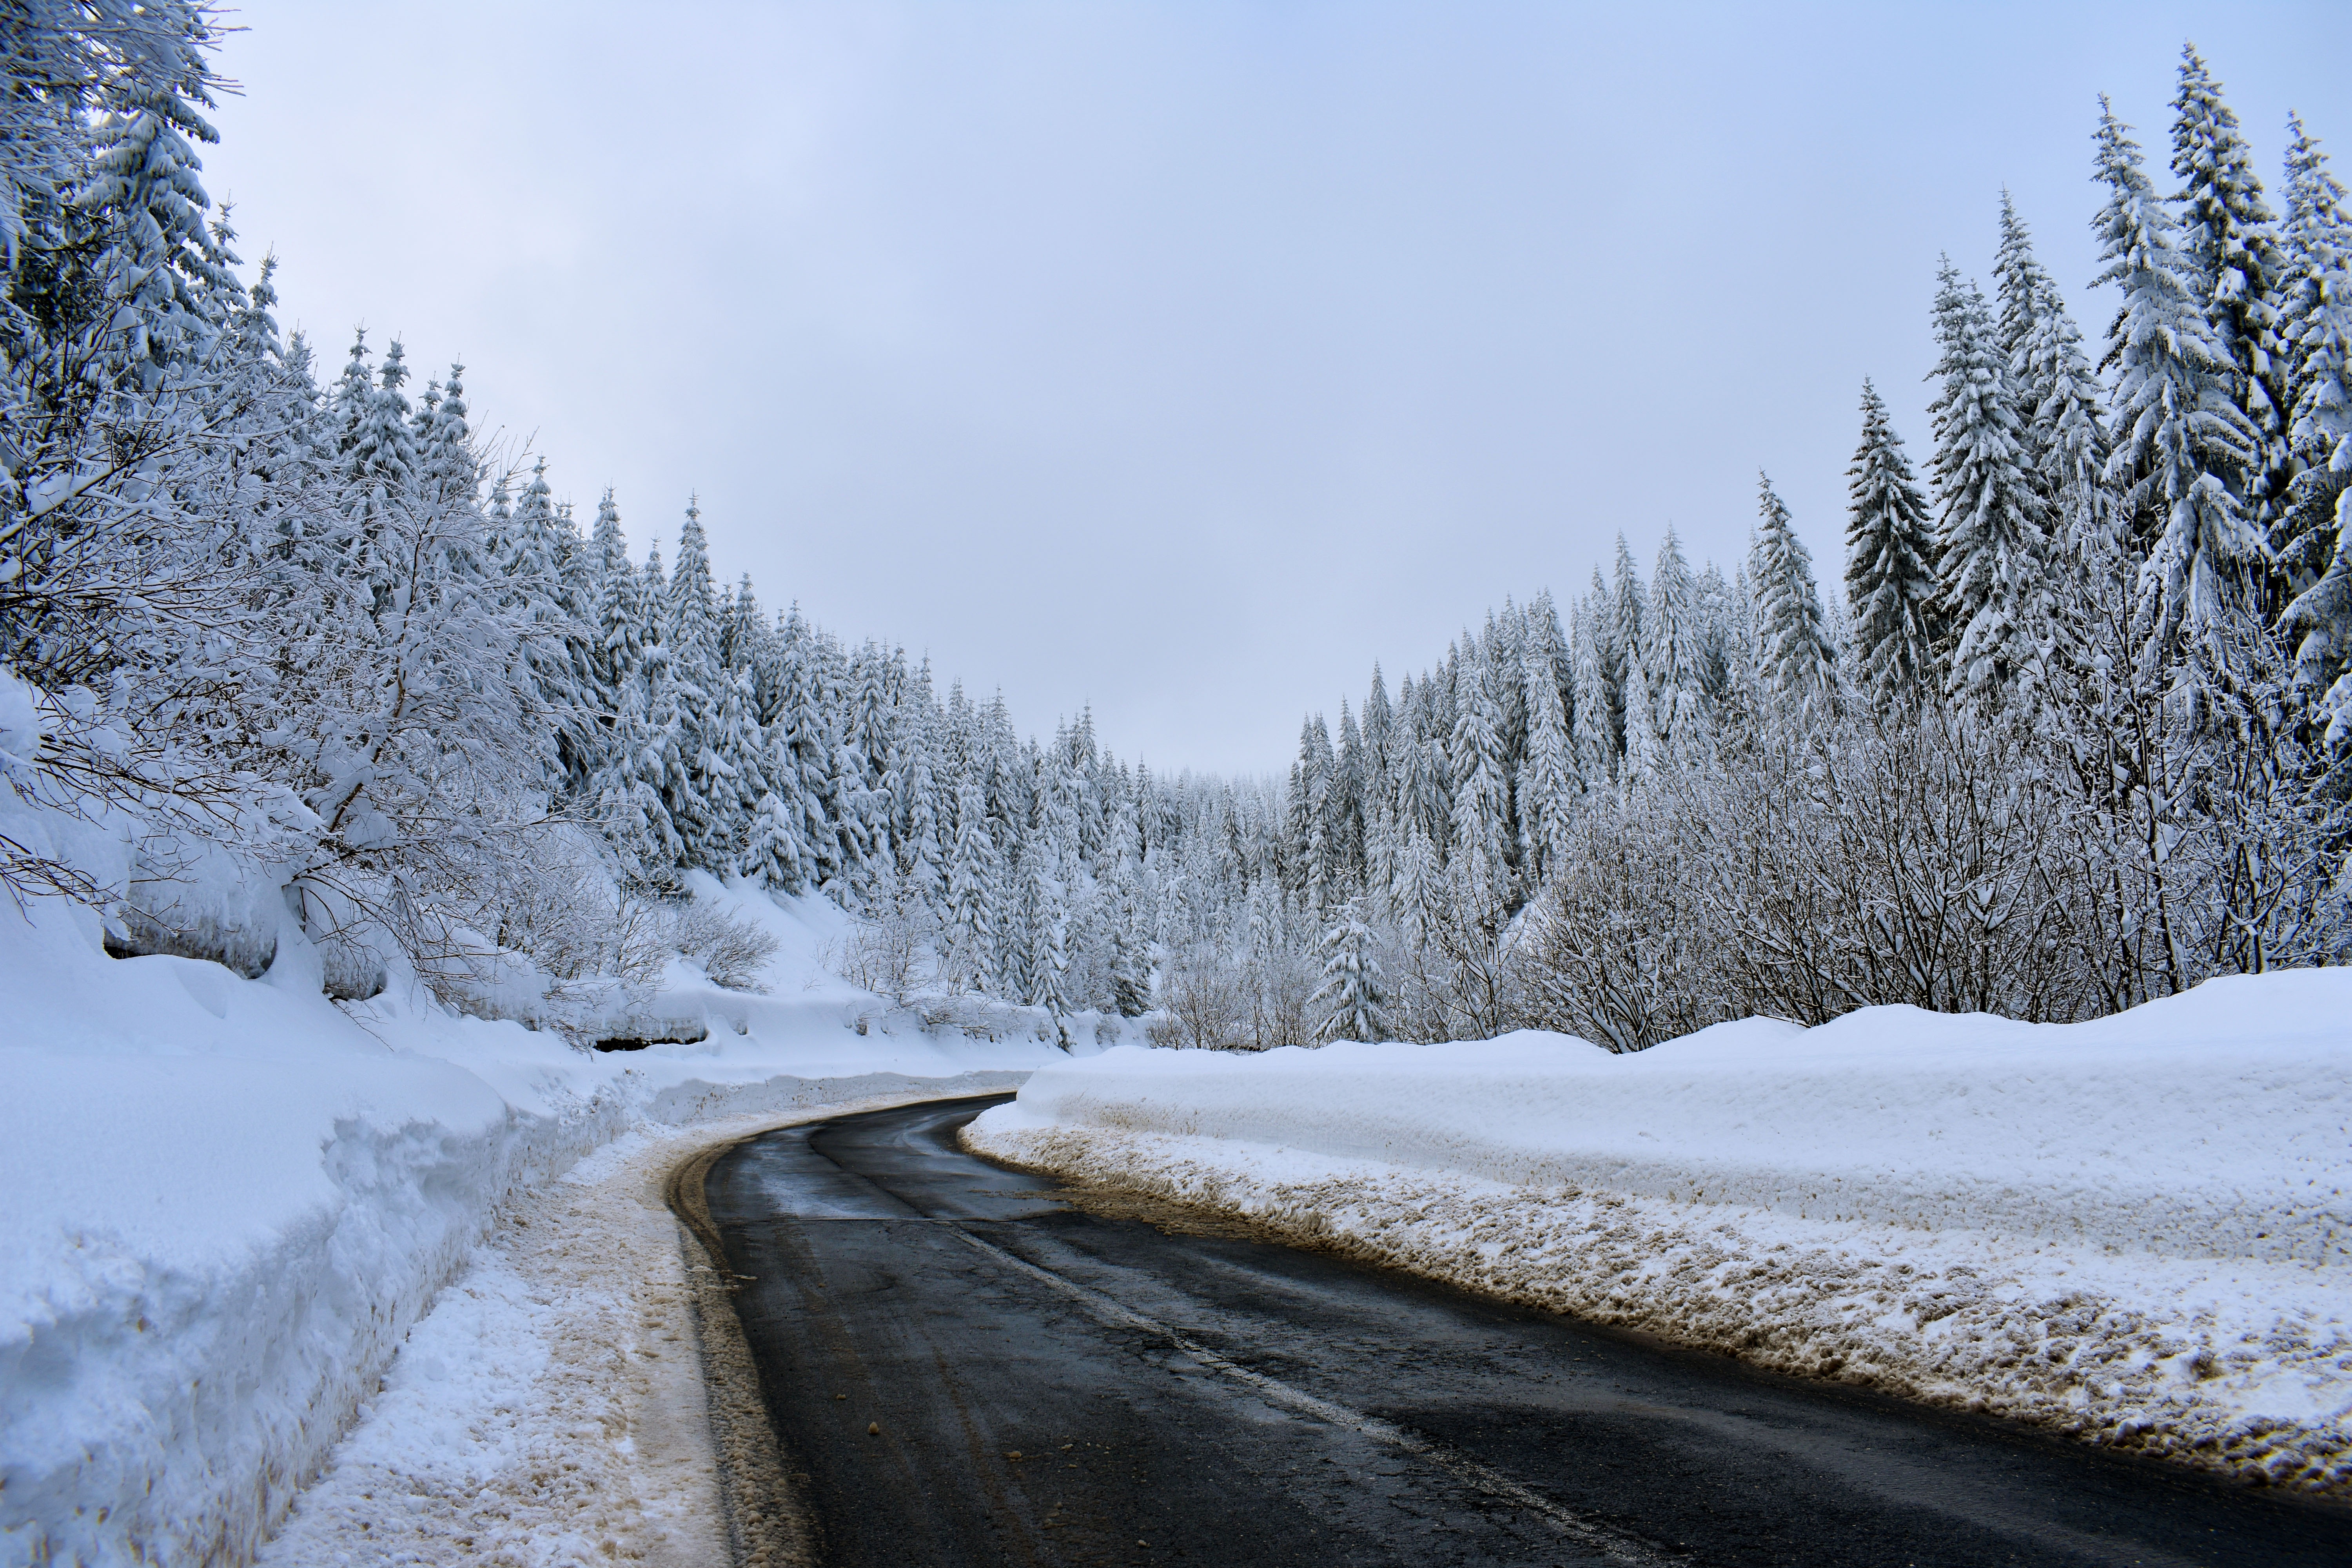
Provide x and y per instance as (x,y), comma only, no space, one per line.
(731,950)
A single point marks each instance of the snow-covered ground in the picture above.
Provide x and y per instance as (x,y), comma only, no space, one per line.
(2135,1229)
(244,1225)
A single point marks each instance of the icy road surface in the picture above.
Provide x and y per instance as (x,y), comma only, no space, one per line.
(966,1369)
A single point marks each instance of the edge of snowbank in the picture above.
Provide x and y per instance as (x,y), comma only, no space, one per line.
(230,1202)
(581,1389)
(1548,1173)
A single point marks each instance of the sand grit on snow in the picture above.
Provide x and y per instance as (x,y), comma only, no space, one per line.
(2135,1230)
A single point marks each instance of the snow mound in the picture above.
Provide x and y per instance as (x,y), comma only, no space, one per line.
(230,1202)
(2135,1229)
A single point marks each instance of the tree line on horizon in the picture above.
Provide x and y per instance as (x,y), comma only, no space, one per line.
(2074,735)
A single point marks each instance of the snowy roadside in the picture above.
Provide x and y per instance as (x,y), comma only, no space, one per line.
(551,1407)
(234,1207)
(2133,1231)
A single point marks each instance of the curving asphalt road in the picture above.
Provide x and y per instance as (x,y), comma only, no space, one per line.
(966,1370)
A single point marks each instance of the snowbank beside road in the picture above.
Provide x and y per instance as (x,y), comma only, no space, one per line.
(2138,1228)
(225,1204)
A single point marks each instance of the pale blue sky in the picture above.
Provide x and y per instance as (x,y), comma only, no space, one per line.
(1185,359)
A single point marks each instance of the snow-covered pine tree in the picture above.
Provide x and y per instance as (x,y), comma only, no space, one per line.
(1798,665)
(1351,1002)
(921,809)
(2065,424)
(1992,542)
(527,564)
(1722,642)
(2320,622)
(701,795)
(1344,806)
(1426,791)
(1620,639)
(973,893)
(1890,576)
(375,465)
(2229,238)
(2177,437)
(1130,958)
(1639,767)
(2316,299)
(1049,943)
(1679,709)
(1380,721)
(1596,742)
(2023,287)
(1481,790)
(1549,784)
(165,276)
(1418,894)
(447,462)
(800,730)
(615,618)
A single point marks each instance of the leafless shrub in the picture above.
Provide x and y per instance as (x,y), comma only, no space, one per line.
(730,949)
(886,951)
(1206,1001)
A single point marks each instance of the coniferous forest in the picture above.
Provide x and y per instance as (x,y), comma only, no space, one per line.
(2068,727)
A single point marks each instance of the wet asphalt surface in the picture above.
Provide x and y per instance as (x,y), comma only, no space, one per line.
(965,1371)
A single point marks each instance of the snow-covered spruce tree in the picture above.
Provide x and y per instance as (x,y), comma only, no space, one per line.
(1992,540)
(1350,1004)
(625,799)
(1550,784)
(1890,578)
(2178,439)
(800,728)
(1308,815)
(700,793)
(2022,288)
(1725,658)
(1672,637)
(921,806)
(2066,423)
(1379,741)
(529,558)
(1640,764)
(973,893)
(2320,623)
(2315,302)
(1621,638)
(2229,238)
(614,616)
(1795,657)
(1344,803)
(1131,965)
(1596,740)
(1481,789)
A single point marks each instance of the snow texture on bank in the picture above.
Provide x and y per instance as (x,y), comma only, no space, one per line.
(2134,1229)
(230,1202)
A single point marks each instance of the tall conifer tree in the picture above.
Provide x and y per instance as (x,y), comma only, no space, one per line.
(1799,664)
(2228,237)
(1992,543)
(2177,436)
(1890,580)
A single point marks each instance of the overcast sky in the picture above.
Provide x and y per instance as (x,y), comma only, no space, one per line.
(1183,360)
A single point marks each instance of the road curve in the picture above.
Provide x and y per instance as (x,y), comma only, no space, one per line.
(965,1369)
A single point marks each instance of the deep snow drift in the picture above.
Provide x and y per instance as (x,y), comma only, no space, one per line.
(2135,1229)
(229,1201)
